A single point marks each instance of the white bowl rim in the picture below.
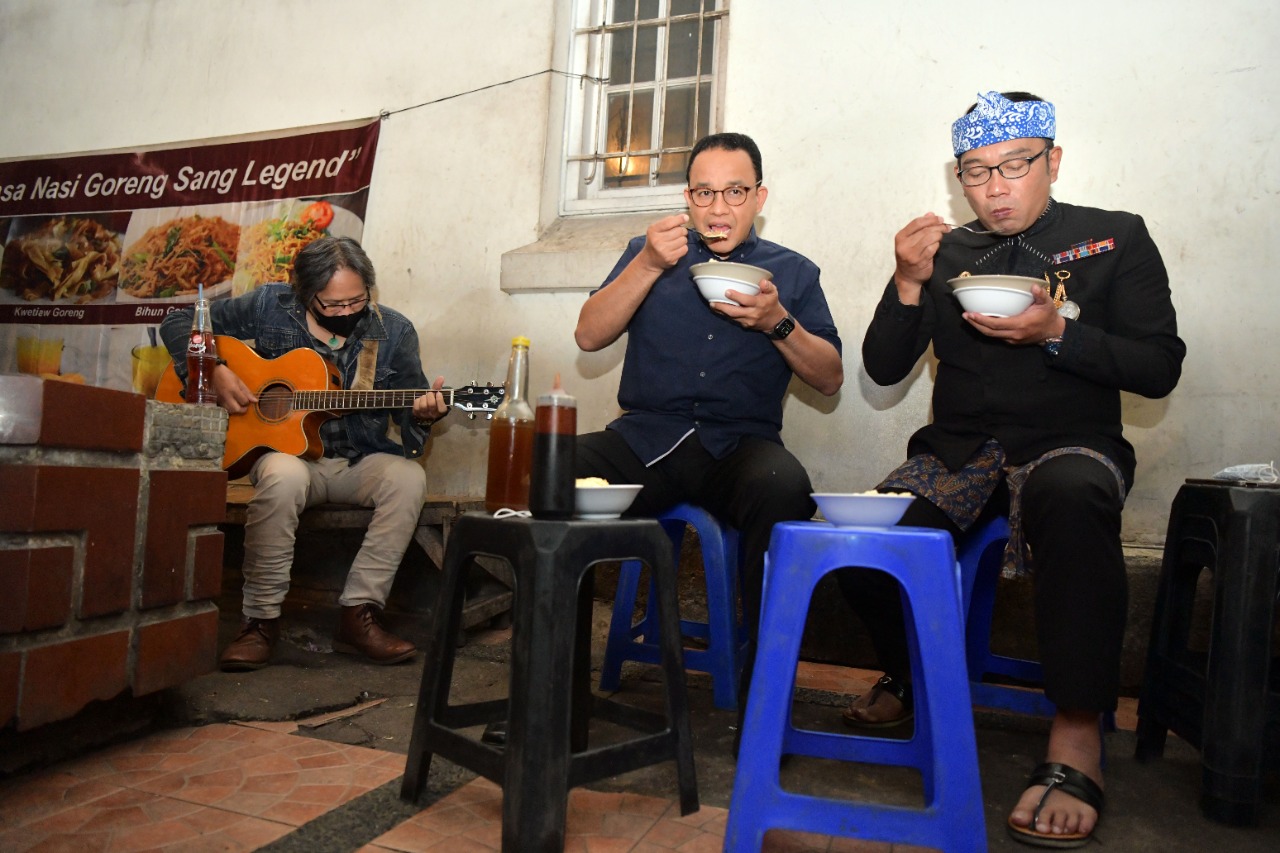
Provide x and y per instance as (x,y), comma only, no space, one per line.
(1008,282)
(744,272)
(816,495)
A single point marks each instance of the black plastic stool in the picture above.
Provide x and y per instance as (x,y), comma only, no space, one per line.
(550,701)
(1223,703)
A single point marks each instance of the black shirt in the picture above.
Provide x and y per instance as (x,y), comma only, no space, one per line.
(1126,339)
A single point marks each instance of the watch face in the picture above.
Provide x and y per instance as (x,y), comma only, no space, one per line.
(784,328)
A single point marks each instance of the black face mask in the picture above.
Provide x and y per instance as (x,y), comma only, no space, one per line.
(343,324)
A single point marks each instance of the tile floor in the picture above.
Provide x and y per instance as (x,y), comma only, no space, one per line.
(230,787)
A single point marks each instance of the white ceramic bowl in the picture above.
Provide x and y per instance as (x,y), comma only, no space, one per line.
(993,301)
(862,510)
(603,501)
(714,278)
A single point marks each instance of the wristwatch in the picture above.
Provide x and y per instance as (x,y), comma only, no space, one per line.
(785,327)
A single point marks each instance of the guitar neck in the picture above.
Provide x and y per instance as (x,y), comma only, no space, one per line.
(398,398)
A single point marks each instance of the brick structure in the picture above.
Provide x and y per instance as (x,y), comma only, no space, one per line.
(110,556)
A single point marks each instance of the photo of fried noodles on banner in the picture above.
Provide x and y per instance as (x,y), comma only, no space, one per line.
(67,257)
(268,247)
(172,259)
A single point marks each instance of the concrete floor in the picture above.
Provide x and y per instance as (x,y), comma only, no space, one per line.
(1150,807)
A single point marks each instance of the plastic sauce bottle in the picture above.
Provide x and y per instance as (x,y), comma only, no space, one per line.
(511,437)
(202,355)
(554,442)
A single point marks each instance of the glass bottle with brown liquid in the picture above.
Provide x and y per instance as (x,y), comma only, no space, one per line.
(511,437)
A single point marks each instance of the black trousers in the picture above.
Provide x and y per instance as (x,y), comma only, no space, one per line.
(753,488)
(1071,519)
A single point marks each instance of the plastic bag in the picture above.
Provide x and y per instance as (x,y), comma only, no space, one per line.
(1263,472)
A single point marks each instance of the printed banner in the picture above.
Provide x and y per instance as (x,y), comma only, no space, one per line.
(98,248)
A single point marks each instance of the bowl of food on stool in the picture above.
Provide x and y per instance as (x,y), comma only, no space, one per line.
(994,295)
(863,509)
(716,278)
(597,498)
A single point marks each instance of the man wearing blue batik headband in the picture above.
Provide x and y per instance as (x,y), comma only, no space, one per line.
(1026,421)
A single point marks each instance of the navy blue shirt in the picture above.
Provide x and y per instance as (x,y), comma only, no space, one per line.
(690,369)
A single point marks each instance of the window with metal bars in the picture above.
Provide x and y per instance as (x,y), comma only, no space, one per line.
(648,91)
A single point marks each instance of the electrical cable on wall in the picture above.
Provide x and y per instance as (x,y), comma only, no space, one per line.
(386,114)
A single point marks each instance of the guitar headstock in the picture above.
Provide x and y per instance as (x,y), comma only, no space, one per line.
(478,399)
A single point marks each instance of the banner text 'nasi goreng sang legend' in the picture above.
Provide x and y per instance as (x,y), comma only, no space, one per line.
(98,248)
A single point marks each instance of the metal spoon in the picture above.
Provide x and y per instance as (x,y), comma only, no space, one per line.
(707,235)
(970,230)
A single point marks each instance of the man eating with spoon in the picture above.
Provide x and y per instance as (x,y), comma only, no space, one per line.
(703,385)
(1026,422)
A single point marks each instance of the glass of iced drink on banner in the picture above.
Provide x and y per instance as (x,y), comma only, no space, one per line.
(40,354)
(149,362)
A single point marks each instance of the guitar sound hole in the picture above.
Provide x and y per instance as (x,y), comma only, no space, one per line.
(275,402)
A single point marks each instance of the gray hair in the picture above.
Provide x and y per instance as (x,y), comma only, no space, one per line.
(320,259)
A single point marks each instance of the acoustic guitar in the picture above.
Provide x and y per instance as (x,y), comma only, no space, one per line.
(297,392)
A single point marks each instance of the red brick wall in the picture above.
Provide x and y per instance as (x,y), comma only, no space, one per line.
(109,557)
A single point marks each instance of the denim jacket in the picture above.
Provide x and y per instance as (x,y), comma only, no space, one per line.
(273,320)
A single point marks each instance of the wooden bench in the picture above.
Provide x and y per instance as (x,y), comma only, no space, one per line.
(439,512)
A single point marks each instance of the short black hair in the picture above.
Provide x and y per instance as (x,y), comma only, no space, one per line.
(319,260)
(727,142)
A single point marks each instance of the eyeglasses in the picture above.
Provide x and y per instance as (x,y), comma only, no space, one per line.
(733,196)
(352,304)
(1010,170)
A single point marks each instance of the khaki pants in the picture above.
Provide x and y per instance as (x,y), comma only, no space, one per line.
(285,485)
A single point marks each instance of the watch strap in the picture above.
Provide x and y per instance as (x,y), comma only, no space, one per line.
(785,327)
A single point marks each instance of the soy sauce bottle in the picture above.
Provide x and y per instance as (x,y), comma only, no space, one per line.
(554,441)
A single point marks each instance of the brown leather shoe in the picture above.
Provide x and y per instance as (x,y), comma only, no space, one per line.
(360,631)
(252,649)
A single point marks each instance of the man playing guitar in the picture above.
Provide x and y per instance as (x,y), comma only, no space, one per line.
(329,309)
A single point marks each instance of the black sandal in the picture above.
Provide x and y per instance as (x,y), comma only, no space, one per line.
(900,690)
(1071,782)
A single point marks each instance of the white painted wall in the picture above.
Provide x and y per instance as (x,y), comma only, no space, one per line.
(1168,109)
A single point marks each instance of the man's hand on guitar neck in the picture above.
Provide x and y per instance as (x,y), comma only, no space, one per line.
(430,407)
(233,394)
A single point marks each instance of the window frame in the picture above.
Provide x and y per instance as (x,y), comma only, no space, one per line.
(585,124)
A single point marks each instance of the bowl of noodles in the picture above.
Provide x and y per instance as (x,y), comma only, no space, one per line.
(171,259)
(277,232)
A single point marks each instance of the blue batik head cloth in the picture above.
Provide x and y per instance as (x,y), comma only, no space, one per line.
(997,119)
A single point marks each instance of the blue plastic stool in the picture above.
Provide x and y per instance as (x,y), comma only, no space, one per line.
(942,746)
(981,555)
(725,636)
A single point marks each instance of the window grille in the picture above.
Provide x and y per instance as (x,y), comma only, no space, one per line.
(649,90)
